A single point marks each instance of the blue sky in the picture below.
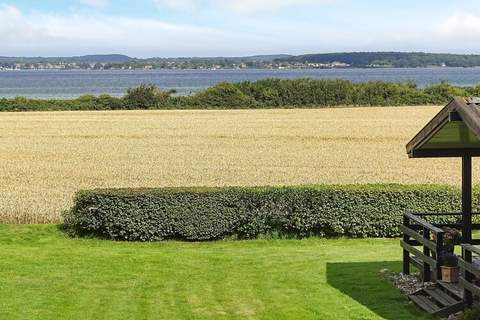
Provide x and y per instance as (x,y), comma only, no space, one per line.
(166,28)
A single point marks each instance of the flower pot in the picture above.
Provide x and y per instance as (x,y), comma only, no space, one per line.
(450,274)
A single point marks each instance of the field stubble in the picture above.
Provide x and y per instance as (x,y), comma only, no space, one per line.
(46,157)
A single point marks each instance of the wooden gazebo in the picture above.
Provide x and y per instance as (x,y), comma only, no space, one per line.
(453,132)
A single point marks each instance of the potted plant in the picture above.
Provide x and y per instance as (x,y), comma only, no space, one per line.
(451,238)
(449,267)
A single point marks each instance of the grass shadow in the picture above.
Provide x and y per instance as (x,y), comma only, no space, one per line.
(365,283)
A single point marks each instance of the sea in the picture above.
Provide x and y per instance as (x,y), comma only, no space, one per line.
(66,84)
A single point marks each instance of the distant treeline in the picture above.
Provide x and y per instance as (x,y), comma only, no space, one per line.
(389,59)
(269,93)
(319,60)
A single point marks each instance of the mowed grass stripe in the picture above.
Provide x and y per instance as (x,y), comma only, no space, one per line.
(45,275)
(45,157)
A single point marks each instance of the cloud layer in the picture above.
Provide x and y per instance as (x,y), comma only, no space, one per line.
(461,25)
(73,34)
(243,7)
(100,4)
(248,31)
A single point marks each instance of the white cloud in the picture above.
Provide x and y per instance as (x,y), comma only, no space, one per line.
(176,4)
(460,25)
(255,6)
(74,34)
(242,7)
(33,33)
(99,4)
(14,27)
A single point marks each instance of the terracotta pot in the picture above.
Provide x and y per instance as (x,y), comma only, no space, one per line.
(450,274)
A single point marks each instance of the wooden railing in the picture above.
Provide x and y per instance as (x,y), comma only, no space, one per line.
(469,272)
(458,225)
(417,232)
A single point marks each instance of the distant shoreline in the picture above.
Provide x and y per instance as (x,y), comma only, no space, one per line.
(236,69)
(275,61)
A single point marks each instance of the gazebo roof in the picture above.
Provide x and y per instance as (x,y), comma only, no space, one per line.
(453,132)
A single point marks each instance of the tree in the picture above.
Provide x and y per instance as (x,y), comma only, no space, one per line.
(146,96)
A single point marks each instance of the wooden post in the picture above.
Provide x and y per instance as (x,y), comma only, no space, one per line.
(467,219)
(406,254)
(466,199)
(438,256)
(427,271)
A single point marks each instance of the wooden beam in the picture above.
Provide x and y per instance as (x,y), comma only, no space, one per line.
(475,241)
(438,254)
(426,251)
(467,222)
(466,199)
(423,222)
(469,247)
(419,254)
(417,236)
(406,254)
(470,267)
(417,263)
(431,214)
(470,115)
(445,153)
(470,287)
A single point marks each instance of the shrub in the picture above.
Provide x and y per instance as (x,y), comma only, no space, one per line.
(216,213)
(267,93)
(224,94)
(106,102)
(472,313)
(444,91)
(264,92)
(146,96)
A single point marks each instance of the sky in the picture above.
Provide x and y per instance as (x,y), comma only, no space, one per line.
(173,28)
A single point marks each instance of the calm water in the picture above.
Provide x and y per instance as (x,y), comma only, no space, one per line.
(69,84)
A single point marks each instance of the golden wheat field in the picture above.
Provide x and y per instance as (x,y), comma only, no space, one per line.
(46,157)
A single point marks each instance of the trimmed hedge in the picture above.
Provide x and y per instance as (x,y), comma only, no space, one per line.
(245,213)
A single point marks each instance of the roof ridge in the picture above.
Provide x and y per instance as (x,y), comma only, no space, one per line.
(472,100)
(468,111)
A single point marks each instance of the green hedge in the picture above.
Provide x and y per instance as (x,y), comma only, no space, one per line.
(268,93)
(245,213)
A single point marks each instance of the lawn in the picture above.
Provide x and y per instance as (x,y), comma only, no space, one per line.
(45,275)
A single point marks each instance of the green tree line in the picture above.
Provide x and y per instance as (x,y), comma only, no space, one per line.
(390,59)
(268,93)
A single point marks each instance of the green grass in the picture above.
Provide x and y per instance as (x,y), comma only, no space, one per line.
(44,275)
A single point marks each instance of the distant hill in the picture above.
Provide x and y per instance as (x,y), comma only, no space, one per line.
(105,58)
(266,58)
(321,60)
(118,58)
(257,58)
(389,59)
(100,58)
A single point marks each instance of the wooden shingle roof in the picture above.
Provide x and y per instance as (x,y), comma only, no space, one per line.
(453,132)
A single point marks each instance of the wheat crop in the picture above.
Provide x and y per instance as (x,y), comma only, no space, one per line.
(46,157)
